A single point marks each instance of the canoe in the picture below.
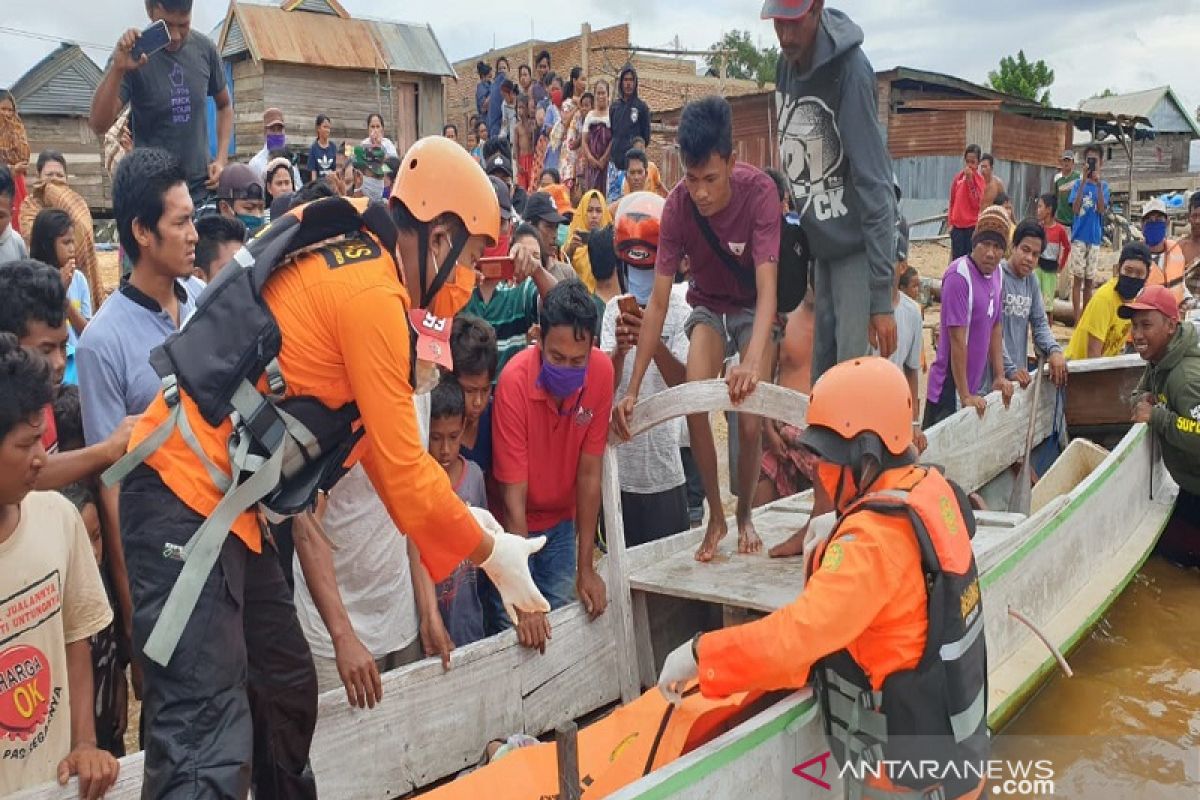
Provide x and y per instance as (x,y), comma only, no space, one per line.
(1060,567)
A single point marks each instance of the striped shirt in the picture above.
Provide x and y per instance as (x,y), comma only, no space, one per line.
(512,311)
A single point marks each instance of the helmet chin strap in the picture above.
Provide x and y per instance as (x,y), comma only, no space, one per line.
(445,269)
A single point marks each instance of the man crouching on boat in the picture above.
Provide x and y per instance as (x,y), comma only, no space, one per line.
(889,624)
(1168,400)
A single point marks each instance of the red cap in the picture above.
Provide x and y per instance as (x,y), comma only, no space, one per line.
(785,9)
(433,337)
(1152,298)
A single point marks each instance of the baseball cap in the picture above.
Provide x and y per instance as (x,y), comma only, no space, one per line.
(1152,298)
(372,160)
(786,9)
(1154,206)
(433,337)
(503,195)
(1068,155)
(500,163)
(239,182)
(272,116)
(541,206)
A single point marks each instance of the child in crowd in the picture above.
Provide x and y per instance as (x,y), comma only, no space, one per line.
(459,618)
(12,246)
(1056,252)
(52,241)
(524,140)
(910,284)
(68,418)
(219,238)
(109,689)
(54,600)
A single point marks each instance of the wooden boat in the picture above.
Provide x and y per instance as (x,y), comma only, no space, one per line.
(1095,517)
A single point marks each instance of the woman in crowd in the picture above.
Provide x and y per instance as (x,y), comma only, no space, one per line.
(322,153)
(52,241)
(481,134)
(375,137)
(14,150)
(597,141)
(591,215)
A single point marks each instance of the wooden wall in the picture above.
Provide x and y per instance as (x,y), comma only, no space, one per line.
(1165,154)
(85,165)
(1032,141)
(927,133)
(755,135)
(347,97)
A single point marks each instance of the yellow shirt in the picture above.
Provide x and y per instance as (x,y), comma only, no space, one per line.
(1100,320)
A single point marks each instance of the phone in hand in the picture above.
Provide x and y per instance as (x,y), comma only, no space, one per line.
(1092,164)
(497,268)
(628,304)
(151,40)
(583,235)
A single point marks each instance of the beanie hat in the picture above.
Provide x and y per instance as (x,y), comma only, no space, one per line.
(993,225)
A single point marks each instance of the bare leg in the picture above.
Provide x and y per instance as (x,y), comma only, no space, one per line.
(1076,295)
(750,463)
(765,492)
(706,353)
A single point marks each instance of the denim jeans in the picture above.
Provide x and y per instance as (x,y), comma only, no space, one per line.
(553,570)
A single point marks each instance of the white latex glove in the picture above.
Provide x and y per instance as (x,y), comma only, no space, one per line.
(508,566)
(679,668)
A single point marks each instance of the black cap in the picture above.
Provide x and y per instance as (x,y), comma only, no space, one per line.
(541,206)
(499,162)
(504,196)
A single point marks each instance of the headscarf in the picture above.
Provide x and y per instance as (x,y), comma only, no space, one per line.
(14,143)
(580,260)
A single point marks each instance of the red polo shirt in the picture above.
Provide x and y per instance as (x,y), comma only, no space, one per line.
(533,443)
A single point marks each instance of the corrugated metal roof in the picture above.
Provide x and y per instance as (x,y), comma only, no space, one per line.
(321,40)
(1169,118)
(61,84)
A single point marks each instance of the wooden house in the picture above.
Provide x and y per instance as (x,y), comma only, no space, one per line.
(1165,153)
(54,99)
(310,57)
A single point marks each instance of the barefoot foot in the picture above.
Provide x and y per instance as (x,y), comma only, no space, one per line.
(712,537)
(792,546)
(748,541)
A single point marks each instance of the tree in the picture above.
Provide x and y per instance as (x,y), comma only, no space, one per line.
(1024,79)
(745,61)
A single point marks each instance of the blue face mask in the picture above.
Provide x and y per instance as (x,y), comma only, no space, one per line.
(252,223)
(276,141)
(563,230)
(1155,231)
(640,283)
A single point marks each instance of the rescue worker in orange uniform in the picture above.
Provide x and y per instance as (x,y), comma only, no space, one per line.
(342,312)
(897,561)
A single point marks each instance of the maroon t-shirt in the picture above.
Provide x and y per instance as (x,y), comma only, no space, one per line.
(748,228)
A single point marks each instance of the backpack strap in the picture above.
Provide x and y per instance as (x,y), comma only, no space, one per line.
(710,236)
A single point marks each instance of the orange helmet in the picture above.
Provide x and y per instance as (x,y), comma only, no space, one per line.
(635,230)
(866,395)
(437,176)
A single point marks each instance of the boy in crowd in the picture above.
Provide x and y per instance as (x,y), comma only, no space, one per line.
(550,425)
(1089,203)
(994,187)
(1055,255)
(1064,182)
(1101,331)
(966,197)
(12,246)
(110,690)
(971,343)
(218,239)
(1168,267)
(53,601)
(476,362)
(1168,400)
(909,345)
(724,215)
(451,615)
(910,284)
(240,196)
(1023,309)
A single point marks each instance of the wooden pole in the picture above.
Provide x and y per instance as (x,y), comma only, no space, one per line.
(566,743)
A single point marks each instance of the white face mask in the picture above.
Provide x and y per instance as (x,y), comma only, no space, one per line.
(640,283)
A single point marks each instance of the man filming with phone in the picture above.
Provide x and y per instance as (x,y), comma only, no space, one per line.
(165,73)
(1089,201)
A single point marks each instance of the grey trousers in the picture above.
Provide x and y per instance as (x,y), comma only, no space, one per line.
(842,298)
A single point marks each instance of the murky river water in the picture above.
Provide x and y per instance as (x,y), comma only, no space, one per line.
(1127,725)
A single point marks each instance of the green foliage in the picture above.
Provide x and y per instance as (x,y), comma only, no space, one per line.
(1023,78)
(747,61)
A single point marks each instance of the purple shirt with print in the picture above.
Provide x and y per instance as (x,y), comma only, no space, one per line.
(977,304)
(748,227)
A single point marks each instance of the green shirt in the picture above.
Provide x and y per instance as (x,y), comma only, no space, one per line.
(1064,213)
(512,311)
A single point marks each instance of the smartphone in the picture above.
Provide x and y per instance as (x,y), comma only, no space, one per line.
(497,268)
(151,40)
(628,304)
(1091,162)
(584,236)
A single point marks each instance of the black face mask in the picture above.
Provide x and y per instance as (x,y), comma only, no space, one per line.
(1129,287)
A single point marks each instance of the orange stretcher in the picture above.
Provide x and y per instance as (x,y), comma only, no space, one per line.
(615,751)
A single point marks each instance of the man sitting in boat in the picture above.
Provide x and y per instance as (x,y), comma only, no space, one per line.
(890,617)
(1168,400)
(1100,331)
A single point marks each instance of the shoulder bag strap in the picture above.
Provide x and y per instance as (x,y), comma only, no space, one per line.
(726,257)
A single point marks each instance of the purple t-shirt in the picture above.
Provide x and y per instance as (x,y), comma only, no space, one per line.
(971,300)
(748,228)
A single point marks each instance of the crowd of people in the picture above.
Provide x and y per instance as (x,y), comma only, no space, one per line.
(527,286)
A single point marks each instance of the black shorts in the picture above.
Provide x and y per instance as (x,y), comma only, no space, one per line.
(649,517)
